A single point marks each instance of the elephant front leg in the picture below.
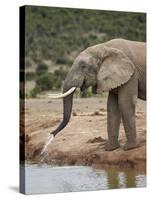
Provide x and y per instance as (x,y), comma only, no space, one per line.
(113,122)
(127,104)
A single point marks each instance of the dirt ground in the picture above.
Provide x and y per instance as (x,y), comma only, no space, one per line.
(82,141)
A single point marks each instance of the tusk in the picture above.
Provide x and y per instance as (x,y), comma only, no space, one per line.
(57,96)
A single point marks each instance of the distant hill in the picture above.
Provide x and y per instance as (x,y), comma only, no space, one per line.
(54,33)
(54,37)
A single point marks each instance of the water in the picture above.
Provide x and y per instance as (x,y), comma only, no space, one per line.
(48,179)
(49,141)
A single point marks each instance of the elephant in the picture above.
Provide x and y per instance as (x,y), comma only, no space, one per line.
(118,67)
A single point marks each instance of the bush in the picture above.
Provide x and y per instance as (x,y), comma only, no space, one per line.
(48,81)
(86,93)
(60,73)
(42,68)
(61,60)
(30,76)
(45,82)
(33,93)
(57,82)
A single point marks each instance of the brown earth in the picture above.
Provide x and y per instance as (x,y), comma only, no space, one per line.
(82,141)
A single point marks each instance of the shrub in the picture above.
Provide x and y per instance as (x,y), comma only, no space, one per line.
(61,60)
(30,76)
(61,73)
(45,82)
(42,68)
(86,93)
(57,83)
(33,93)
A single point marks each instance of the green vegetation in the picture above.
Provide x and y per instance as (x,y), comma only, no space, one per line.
(47,81)
(41,69)
(86,93)
(57,34)
(30,76)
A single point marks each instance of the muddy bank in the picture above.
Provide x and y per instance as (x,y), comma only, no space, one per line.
(82,141)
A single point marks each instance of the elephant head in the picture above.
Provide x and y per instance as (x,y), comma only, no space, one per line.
(102,67)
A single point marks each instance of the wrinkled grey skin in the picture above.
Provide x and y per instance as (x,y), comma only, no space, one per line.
(119,67)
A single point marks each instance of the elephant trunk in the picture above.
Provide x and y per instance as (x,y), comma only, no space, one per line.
(67,109)
(68,91)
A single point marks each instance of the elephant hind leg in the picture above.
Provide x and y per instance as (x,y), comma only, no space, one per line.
(113,122)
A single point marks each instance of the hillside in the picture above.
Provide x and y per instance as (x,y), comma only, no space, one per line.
(54,36)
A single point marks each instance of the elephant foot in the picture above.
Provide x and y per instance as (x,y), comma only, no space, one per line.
(129,146)
(110,147)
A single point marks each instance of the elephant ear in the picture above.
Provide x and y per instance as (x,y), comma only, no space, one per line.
(115,70)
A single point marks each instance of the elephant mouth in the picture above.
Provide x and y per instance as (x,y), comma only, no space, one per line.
(94,89)
(86,86)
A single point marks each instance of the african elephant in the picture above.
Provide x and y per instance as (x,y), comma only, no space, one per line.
(119,67)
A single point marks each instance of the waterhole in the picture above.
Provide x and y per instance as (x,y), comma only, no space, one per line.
(51,179)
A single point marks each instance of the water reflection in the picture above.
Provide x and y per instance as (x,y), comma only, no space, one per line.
(46,179)
(126,178)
